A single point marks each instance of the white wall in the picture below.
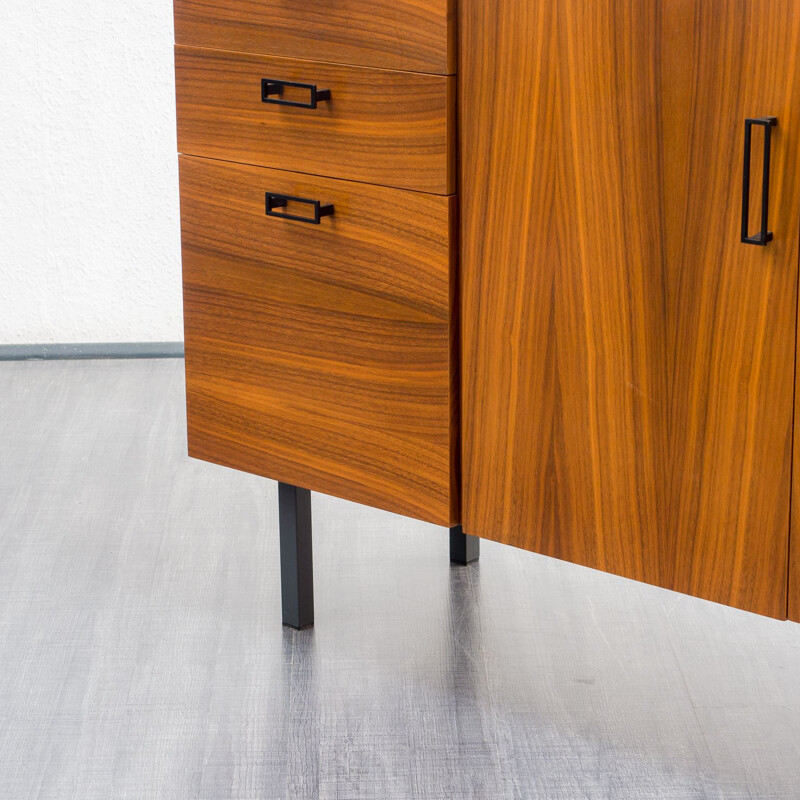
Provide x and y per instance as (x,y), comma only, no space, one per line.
(89,234)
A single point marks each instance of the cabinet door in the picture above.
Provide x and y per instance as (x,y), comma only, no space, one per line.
(628,361)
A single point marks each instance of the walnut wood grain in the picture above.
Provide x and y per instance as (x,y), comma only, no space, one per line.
(416,35)
(383,127)
(628,363)
(733,306)
(321,355)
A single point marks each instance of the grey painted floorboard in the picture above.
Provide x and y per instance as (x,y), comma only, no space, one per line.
(142,655)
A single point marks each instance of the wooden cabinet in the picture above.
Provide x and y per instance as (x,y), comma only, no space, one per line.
(628,361)
(537,298)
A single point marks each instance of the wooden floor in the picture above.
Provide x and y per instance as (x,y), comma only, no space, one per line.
(142,656)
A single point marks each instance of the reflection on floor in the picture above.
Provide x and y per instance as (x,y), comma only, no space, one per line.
(142,656)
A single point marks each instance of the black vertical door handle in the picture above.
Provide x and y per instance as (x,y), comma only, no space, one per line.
(765,234)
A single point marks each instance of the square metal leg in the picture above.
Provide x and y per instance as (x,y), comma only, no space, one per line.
(464,548)
(297,573)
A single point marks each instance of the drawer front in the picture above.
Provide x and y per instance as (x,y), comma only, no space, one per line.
(376,126)
(394,34)
(321,355)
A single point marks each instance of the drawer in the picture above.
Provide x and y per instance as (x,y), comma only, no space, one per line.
(416,35)
(322,355)
(377,126)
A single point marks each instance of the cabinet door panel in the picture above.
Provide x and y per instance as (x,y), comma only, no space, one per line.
(732,306)
(628,362)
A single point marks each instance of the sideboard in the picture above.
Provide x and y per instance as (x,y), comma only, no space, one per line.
(526,269)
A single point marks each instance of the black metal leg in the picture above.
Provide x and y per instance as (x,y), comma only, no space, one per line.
(297,573)
(464,548)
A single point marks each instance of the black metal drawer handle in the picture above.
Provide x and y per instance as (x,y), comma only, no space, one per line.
(765,234)
(282,200)
(271,89)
